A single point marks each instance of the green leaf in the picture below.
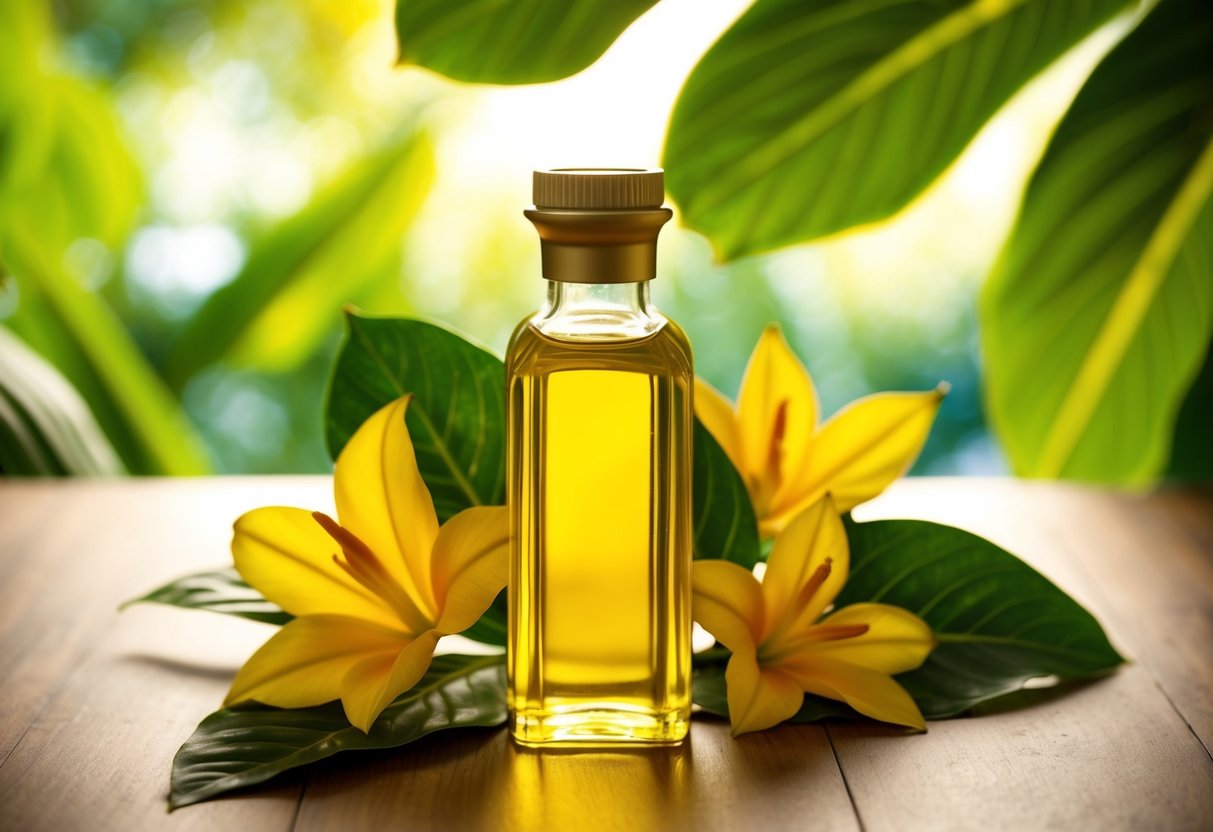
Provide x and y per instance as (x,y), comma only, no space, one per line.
(521,42)
(1099,313)
(301,272)
(725,526)
(999,622)
(1191,451)
(806,119)
(220,590)
(238,747)
(80,335)
(46,429)
(709,692)
(457,416)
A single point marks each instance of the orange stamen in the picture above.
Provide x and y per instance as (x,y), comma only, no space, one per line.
(361,564)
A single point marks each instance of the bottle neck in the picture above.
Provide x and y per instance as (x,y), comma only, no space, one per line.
(598,311)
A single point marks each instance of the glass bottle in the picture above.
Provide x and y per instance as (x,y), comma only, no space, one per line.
(599,389)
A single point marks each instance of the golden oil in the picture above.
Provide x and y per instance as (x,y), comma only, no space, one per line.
(599,410)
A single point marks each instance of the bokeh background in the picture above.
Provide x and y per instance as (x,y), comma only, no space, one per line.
(283,166)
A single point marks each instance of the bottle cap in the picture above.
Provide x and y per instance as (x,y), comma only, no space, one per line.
(603,189)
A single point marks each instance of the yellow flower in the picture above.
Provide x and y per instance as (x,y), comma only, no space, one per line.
(782,648)
(372,595)
(787,460)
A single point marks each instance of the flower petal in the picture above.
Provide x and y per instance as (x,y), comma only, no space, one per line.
(718,416)
(373,683)
(896,641)
(471,565)
(799,556)
(382,499)
(868,691)
(285,555)
(306,661)
(865,446)
(774,380)
(727,602)
(759,697)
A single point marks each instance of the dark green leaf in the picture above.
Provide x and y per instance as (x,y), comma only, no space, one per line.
(238,747)
(710,693)
(1191,450)
(806,119)
(999,622)
(1099,313)
(725,526)
(521,42)
(457,416)
(222,590)
(301,272)
(46,429)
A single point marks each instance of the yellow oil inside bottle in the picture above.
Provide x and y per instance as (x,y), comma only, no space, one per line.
(599,641)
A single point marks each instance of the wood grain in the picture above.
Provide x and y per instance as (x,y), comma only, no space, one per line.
(94,704)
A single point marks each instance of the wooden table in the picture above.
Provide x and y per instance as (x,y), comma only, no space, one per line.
(94,703)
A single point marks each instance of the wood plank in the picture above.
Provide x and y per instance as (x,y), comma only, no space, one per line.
(98,702)
(472,780)
(1112,754)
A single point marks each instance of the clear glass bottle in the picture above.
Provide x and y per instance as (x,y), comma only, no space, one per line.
(599,391)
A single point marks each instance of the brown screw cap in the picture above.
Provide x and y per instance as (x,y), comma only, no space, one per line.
(599,189)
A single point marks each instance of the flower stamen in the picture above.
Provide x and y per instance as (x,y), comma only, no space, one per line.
(361,564)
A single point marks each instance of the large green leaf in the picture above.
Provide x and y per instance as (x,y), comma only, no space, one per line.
(456,418)
(238,747)
(298,275)
(46,429)
(220,590)
(999,622)
(1098,315)
(809,118)
(725,526)
(521,42)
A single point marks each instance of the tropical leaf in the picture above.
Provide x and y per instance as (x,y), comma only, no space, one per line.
(1191,451)
(1099,313)
(298,275)
(806,119)
(238,747)
(998,621)
(725,526)
(220,590)
(457,416)
(46,429)
(523,42)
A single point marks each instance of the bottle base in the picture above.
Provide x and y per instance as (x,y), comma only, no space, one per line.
(598,725)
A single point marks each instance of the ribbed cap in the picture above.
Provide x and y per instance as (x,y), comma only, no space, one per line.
(599,188)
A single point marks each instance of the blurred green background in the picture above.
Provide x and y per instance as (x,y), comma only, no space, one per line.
(193,189)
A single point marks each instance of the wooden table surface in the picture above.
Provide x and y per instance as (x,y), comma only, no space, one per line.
(95,703)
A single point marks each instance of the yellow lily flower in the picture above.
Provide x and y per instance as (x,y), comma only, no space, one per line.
(372,594)
(787,460)
(783,648)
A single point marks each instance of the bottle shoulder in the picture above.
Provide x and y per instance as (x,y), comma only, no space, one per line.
(665,351)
